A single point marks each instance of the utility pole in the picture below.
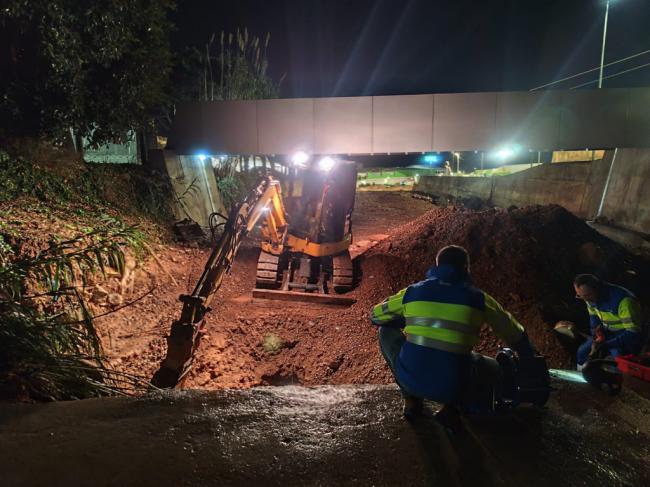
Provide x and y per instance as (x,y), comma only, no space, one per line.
(602,51)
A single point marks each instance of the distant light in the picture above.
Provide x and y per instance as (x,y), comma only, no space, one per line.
(326,163)
(202,157)
(431,158)
(504,153)
(300,158)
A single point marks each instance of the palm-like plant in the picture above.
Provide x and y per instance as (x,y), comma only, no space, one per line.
(49,347)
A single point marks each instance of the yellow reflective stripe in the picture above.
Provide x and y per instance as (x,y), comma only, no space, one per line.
(622,325)
(438,344)
(592,311)
(389,309)
(616,322)
(449,336)
(445,311)
(442,324)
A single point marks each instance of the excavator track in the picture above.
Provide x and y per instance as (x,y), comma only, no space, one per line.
(267,275)
(342,273)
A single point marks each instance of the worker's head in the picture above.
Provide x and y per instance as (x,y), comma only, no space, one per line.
(587,287)
(455,256)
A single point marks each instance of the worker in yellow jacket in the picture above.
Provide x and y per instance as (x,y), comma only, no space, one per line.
(427,332)
(614,318)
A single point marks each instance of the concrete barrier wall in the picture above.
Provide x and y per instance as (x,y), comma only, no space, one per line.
(577,186)
(627,201)
(199,202)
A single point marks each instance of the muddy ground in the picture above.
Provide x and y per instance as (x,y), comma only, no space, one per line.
(310,349)
(526,258)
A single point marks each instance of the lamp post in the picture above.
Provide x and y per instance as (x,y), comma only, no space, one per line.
(457,156)
(602,51)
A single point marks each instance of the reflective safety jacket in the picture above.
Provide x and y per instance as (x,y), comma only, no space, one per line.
(616,310)
(445,312)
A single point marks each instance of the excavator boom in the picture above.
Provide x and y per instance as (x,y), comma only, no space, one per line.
(264,201)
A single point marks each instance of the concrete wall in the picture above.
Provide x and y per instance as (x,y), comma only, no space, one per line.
(627,201)
(205,198)
(577,186)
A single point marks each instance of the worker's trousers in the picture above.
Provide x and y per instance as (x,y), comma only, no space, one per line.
(475,389)
(390,344)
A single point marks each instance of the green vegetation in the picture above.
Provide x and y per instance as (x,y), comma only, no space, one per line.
(100,68)
(272,344)
(237,70)
(98,185)
(49,348)
(64,226)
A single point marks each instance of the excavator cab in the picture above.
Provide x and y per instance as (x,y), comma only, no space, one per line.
(318,201)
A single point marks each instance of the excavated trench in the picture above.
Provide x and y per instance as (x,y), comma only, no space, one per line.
(526,258)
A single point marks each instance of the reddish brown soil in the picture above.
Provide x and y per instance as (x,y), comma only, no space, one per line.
(525,258)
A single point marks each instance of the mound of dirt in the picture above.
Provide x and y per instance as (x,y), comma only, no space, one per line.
(526,258)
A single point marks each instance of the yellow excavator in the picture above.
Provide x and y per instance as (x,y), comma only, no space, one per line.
(307,231)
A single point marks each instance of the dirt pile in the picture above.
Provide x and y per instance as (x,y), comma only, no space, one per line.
(526,258)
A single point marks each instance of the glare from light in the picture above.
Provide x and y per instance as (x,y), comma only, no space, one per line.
(567,375)
(202,157)
(300,158)
(326,163)
(504,153)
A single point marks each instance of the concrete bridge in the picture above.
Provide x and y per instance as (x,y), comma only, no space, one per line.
(538,121)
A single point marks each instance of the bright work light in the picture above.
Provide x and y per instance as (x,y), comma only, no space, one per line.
(299,158)
(326,164)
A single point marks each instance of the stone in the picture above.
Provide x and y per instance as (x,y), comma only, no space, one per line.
(115,299)
(99,295)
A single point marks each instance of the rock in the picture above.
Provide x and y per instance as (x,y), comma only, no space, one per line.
(115,299)
(99,295)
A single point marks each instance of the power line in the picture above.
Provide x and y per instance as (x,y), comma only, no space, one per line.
(593,69)
(611,75)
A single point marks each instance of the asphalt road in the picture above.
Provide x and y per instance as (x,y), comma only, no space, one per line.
(322,436)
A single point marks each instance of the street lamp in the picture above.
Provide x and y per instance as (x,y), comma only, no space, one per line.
(602,51)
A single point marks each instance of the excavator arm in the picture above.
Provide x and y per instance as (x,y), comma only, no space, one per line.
(263,202)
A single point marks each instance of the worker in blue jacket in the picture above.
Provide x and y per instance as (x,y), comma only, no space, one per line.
(614,317)
(427,332)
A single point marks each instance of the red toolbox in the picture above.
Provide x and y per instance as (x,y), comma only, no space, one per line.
(635,365)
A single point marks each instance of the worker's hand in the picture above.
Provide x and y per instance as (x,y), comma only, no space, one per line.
(599,338)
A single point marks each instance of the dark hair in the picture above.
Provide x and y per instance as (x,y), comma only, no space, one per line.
(453,255)
(589,280)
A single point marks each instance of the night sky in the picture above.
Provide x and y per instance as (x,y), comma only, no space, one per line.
(363,47)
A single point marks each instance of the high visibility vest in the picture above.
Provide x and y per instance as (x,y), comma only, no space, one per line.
(620,312)
(446,316)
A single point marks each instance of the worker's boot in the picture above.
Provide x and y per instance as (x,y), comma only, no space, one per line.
(449,418)
(413,407)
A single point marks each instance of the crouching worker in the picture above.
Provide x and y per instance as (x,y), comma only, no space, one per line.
(614,318)
(427,332)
